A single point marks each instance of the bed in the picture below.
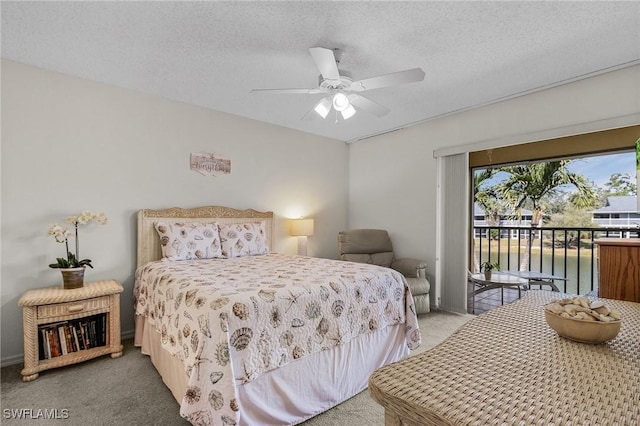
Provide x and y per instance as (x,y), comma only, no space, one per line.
(511,368)
(244,336)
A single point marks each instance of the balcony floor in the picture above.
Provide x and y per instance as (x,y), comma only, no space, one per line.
(489,299)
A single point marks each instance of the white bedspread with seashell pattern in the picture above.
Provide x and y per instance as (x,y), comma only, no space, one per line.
(262,312)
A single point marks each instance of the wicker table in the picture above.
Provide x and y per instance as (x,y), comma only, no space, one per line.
(508,366)
(47,307)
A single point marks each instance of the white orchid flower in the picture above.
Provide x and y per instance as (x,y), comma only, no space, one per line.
(59,233)
(85,217)
(62,236)
(101,218)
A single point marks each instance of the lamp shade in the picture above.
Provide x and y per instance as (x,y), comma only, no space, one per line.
(323,107)
(348,112)
(301,227)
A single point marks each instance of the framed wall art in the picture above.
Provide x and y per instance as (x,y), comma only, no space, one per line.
(210,164)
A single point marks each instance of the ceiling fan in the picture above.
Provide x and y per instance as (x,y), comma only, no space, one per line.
(344,93)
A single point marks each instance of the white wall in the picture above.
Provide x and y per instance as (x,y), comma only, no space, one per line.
(401,195)
(70,145)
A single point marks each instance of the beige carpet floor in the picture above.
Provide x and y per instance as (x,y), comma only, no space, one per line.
(128,390)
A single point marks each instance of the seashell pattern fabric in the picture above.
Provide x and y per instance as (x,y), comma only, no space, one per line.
(189,240)
(243,239)
(231,320)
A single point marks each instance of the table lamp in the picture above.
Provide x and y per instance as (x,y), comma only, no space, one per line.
(302,228)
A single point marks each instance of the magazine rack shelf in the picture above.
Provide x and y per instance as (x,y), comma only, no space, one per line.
(90,317)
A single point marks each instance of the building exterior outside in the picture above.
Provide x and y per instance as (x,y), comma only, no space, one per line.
(506,219)
(619,212)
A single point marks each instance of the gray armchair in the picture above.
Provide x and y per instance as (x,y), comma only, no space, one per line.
(374,246)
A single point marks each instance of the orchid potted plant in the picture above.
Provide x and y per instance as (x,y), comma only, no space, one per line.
(72,266)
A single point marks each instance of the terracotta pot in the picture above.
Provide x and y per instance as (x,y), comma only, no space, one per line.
(72,277)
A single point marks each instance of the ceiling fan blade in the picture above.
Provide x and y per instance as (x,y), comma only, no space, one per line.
(309,116)
(386,80)
(289,91)
(326,62)
(368,105)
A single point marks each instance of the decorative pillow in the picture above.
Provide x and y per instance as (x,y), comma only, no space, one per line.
(189,240)
(243,239)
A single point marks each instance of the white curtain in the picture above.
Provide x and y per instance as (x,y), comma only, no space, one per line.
(452,232)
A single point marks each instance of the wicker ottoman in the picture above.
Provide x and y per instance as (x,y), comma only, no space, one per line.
(508,366)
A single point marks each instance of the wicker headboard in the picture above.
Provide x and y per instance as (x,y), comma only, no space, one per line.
(149,242)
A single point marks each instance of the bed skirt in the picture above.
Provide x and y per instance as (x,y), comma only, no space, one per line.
(299,390)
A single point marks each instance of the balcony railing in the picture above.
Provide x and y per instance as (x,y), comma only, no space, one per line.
(506,223)
(565,252)
(623,222)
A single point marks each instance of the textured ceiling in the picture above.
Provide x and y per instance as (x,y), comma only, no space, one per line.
(213,53)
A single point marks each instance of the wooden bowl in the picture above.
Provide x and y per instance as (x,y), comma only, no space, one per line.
(581,330)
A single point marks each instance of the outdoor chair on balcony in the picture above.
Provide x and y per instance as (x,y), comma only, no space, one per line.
(374,246)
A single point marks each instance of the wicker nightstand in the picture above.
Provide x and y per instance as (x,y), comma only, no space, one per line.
(86,320)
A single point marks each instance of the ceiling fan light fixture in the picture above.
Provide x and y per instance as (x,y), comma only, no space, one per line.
(341,102)
(323,107)
(348,112)
(341,91)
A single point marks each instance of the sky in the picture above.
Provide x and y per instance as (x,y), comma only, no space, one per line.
(598,169)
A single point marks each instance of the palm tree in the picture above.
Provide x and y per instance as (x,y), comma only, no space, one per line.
(530,183)
(485,195)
